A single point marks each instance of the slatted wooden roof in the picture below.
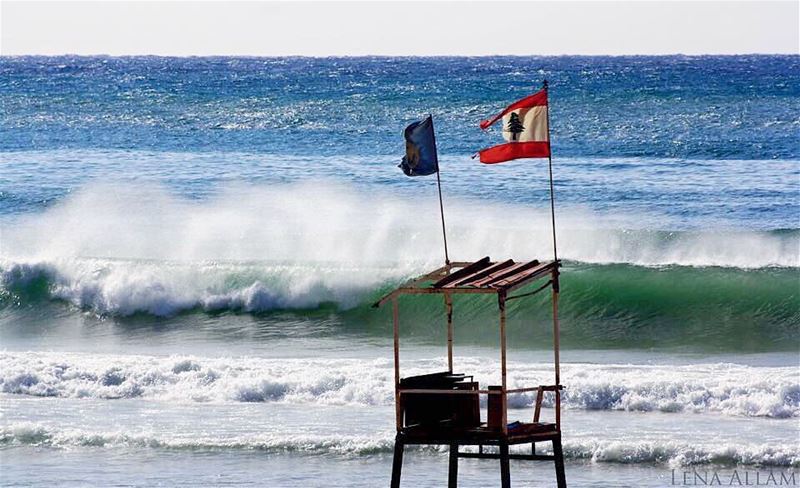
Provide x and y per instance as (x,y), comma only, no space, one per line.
(482,276)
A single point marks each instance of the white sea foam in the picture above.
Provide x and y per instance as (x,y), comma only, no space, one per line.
(31,433)
(326,222)
(669,452)
(681,453)
(735,390)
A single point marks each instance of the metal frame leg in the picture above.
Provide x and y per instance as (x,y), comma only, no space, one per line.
(397,463)
(505,469)
(558,455)
(452,475)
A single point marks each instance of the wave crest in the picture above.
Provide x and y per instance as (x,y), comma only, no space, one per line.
(124,287)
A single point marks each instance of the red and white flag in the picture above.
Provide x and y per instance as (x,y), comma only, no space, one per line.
(525,129)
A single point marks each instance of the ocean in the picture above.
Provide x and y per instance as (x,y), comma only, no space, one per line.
(190,247)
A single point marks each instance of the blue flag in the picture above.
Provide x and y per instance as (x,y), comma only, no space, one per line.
(420,158)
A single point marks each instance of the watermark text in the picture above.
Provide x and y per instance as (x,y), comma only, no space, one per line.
(735,477)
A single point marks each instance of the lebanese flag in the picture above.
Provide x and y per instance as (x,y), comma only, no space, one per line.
(524,128)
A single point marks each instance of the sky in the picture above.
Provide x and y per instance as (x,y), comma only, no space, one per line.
(333,28)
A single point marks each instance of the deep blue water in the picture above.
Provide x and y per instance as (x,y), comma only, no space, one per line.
(704,107)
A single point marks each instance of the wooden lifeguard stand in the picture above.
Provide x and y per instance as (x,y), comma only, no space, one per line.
(443,407)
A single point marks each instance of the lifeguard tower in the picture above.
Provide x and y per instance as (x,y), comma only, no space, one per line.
(444,407)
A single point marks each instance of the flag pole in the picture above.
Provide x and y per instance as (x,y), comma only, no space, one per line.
(441,205)
(550,169)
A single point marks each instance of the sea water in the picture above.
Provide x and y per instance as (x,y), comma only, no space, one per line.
(189,248)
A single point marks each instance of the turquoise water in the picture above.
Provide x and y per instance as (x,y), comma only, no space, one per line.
(189,248)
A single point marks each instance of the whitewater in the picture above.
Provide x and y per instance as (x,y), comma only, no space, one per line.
(724,388)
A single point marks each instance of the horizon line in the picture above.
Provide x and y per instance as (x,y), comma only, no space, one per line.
(323,56)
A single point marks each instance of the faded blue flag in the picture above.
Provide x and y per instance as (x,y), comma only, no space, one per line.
(420,158)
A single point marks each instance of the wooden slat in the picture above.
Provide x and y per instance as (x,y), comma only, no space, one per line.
(498,274)
(524,277)
(538,406)
(494,278)
(465,271)
(523,390)
(521,276)
(481,274)
(439,291)
(431,391)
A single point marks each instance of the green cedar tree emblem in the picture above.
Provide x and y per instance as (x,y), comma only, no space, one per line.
(515,126)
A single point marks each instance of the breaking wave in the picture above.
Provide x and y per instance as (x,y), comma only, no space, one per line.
(627,452)
(613,305)
(123,251)
(722,388)
(124,287)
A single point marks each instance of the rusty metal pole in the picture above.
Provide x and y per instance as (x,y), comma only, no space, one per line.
(556,288)
(501,299)
(556,353)
(396,322)
(448,300)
